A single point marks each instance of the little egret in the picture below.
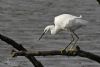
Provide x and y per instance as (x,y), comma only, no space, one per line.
(66,22)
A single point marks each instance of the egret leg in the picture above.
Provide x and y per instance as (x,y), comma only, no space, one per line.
(70,42)
(75,40)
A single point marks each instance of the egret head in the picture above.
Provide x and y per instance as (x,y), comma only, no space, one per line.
(47,28)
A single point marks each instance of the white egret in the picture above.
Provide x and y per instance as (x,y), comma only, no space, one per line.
(66,22)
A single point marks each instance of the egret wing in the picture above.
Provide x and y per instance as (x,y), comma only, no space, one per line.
(61,20)
(77,23)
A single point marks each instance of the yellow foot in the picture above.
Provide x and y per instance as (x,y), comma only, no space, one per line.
(13,53)
(72,51)
(63,51)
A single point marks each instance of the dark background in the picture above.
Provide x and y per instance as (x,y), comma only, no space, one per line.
(24,21)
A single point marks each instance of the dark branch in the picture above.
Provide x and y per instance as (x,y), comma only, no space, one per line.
(74,52)
(89,55)
(98,1)
(44,53)
(19,47)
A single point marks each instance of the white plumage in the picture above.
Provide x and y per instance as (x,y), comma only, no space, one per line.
(68,23)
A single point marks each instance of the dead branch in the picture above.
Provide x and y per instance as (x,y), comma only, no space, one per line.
(74,52)
(19,47)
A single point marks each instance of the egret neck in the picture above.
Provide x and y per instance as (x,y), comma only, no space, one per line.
(53,29)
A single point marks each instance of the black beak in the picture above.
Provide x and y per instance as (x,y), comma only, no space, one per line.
(42,35)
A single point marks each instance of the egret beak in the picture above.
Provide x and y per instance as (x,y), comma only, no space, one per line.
(42,35)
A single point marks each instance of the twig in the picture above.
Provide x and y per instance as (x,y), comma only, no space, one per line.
(19,47)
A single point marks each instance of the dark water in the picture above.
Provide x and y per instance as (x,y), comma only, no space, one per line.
(24,21)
